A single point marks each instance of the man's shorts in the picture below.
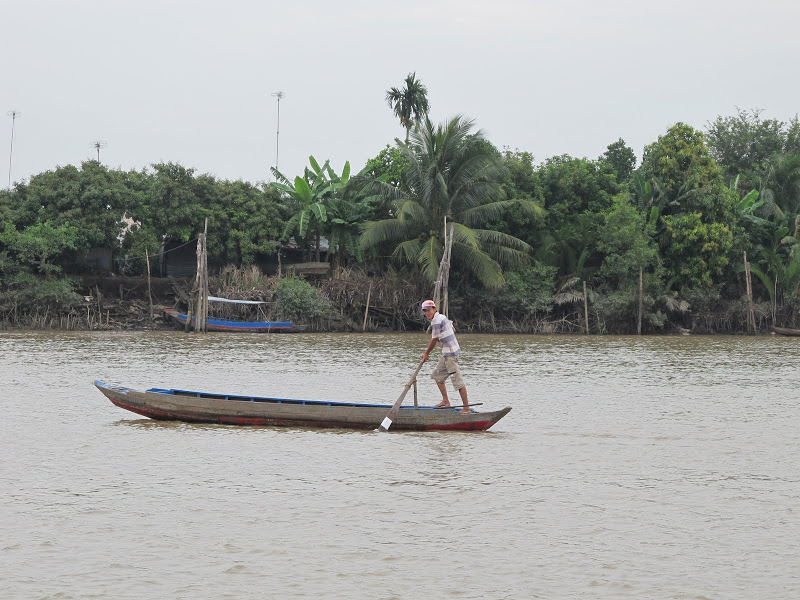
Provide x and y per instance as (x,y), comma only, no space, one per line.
(448,367)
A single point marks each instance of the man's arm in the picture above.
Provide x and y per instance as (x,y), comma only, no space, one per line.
(431,346)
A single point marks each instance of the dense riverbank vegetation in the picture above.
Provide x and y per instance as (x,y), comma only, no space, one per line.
(552,246)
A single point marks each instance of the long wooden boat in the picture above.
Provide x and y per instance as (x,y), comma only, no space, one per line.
(785,331)
(204,407)
(240,326)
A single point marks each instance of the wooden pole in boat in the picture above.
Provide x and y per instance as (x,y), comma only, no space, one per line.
(366,310)
(387,421)
(149,289)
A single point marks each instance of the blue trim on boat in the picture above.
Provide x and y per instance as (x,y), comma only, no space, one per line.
(261,398)
(177,392)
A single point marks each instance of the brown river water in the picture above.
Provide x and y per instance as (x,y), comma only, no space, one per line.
(655,467)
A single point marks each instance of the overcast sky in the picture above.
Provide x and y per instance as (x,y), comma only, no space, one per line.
(192,81)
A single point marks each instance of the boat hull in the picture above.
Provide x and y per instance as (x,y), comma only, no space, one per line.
(203,407)
(238,326)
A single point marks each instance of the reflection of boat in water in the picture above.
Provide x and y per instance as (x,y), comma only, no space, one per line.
(204,407)
(785,331)
(241,326)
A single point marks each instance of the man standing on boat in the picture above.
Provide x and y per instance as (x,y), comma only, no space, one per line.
(442,331)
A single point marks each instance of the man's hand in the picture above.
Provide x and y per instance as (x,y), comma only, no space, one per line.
(424,357)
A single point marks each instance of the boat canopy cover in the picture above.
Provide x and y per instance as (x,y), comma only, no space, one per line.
(215,299)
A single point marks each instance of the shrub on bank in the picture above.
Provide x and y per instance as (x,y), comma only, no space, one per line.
(298,300)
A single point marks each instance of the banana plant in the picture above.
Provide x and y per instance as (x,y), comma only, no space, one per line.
(748,205)
(778,268)
(305,198)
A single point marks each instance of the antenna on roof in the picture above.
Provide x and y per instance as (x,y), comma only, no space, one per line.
(97,145)
(278,95)
(13,114)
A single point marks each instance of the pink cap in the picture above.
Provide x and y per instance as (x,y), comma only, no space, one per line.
(428,304)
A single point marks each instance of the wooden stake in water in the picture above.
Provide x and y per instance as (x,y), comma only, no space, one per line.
(366,310)
(149,289)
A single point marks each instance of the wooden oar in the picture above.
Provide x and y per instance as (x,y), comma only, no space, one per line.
(387,422)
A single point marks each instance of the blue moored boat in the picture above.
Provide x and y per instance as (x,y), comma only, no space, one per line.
(240,326)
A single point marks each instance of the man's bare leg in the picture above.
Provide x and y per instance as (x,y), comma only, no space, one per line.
(463,393)
(443,389)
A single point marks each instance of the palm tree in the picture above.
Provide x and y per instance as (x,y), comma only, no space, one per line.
(408,101)
(780,186)
(454,178)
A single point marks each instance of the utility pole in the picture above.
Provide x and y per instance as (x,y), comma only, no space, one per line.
(13,114)
(278,95)
(97,145)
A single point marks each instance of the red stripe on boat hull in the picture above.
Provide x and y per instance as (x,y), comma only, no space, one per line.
(162,415)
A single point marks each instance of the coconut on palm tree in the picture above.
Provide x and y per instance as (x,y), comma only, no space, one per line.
(410,102)
(452,176)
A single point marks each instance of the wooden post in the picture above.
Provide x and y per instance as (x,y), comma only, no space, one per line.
(641,296)
(100,307)
(446,275)
(751,314)
(415,394)
(775,300)
(205,277)
(585,309)
(198,287)
(440,292)
(437,288)
(149,289)
(366,310)
(190,312)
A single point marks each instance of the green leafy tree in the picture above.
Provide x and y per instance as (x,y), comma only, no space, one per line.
(452,176)
(172,204)
(697,251)
(697,210)
(574,186)
(409,103)
(620,159)
(29,273)
(36,246)
(519,183)
(92,198)
(629,249)
(246,222)
(389,166)
(744,143)
(176,206)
